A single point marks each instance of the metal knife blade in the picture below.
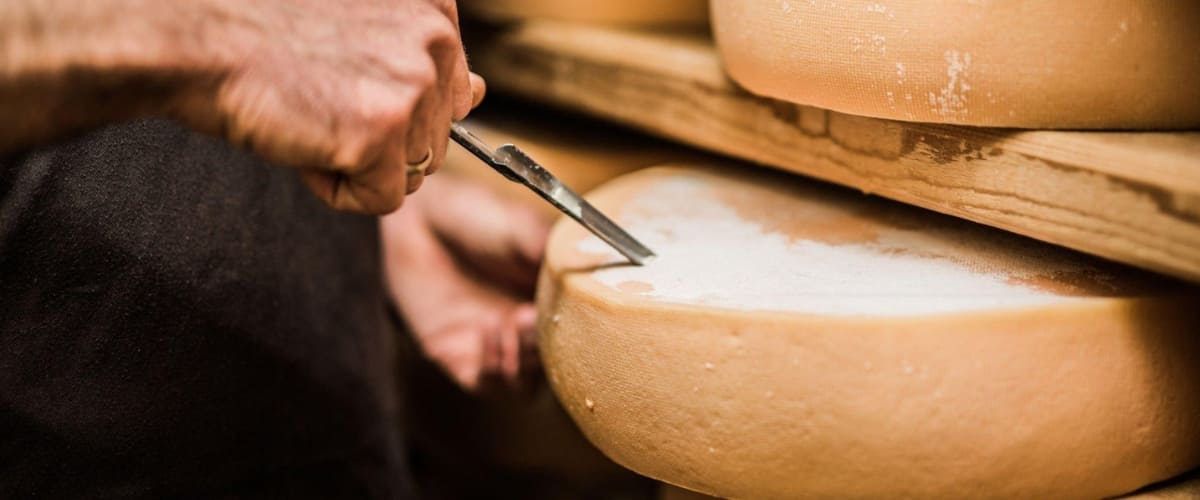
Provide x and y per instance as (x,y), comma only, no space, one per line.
(517,166)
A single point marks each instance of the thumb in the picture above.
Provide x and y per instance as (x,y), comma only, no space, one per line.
(478,90)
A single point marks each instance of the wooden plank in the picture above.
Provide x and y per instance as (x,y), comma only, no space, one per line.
(1130,197)
(583,152)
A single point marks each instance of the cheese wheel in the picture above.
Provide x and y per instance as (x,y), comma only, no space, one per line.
(794,340)
(620,12)
(1126,64)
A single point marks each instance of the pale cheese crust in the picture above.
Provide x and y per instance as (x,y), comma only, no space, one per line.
(1119,64)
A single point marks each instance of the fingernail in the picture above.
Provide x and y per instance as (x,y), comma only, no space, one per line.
(526,318)
(478,89)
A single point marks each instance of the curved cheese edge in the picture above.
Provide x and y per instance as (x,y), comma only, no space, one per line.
(616,12)
(1088,391)
(1125,64)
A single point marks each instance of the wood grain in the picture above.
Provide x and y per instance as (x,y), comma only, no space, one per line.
(1130,197)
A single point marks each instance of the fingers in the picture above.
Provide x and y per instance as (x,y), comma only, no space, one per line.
(450,99)
(418,146)
(478,90)
(501,240)
(348,151)
(511,361)
(484,356)
(528,364)
(386,154)
(379,189)
(372,174)
(510,351)
(354,120)
(480,333)
(420,134)
(430,133)
(463,86)
(414,133)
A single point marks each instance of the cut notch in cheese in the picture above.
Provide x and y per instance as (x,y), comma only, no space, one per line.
(1112,64)
(794,340)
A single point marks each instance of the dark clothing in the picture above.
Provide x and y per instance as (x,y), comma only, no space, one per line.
(178,319)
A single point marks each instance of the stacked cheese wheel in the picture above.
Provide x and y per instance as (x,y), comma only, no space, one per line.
(619,12)
(1124,64)
(793,340)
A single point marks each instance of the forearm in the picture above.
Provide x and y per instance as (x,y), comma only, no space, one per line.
(66,65)
(349,92)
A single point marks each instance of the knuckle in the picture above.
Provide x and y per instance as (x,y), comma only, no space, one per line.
(356,152)
(425,73)
(415,73)
(442,39)
(385,119)
(446,36)
(382,122)
(441,29)
(448,7)
(383,102)
(394,118)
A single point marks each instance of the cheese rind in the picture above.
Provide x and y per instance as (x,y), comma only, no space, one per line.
(617,12)
(1090,393)
(1125,64)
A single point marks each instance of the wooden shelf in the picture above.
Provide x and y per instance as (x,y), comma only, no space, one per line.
(1132,197)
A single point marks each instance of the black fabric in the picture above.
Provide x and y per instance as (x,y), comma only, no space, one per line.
(179,320)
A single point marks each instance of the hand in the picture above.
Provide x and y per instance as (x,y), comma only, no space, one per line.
(349,91)
(461,266)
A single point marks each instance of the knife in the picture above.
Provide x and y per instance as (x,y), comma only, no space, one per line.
(517,166)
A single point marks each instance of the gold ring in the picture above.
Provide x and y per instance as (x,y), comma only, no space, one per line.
(421,166)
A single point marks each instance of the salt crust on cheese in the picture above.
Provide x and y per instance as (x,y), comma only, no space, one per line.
(880,277)
(796,340)
(1123,64)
